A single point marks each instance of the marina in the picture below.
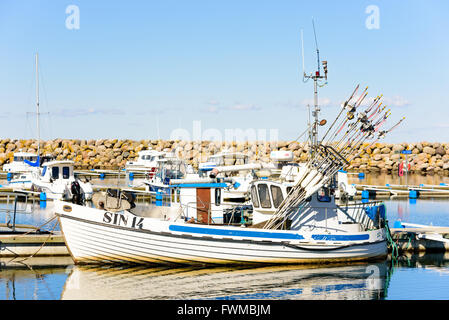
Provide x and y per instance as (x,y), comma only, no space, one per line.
(228,154)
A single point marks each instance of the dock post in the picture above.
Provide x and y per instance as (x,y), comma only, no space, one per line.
(365,194)
(43,200)
(158,198)
(413,194)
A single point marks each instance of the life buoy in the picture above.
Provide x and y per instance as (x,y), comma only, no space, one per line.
(401,169)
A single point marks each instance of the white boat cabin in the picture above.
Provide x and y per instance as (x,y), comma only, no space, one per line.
(319,212)
(57,170)
(146,160)
(18,164)
(225,158)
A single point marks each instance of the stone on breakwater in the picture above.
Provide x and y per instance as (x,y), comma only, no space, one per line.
(426,157)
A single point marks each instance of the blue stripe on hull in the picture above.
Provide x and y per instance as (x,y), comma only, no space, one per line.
(235,233)
(340,237)
(262,234)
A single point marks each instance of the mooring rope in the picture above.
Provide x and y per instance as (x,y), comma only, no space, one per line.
(392,244)
(42,245)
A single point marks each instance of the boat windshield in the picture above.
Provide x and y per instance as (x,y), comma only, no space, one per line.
(276,193)
(171,170)
(254,198)
(264,195)
(217,160)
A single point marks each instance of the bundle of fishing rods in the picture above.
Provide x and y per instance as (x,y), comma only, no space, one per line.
(345,139)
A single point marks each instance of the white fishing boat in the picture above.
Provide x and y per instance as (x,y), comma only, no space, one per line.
(147,161)
(231,164)
(168,168)
(58,182)
(21,162)
(100,236)
(224,158)
(297,230)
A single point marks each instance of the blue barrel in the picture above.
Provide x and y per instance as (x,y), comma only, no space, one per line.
(102,175)
(236,185)
(43,196)
(158,199)
(361,175)
(9,176)
(365,194)
(131,176)
(398,224)
(413,194)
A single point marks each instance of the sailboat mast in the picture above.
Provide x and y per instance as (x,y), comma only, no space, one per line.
(37,106)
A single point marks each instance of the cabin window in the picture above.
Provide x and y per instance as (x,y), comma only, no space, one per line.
(217,196)
(18,158)
(65,172)
(264,196)
(276,193)
(55,173)
(254,197)
(323,195)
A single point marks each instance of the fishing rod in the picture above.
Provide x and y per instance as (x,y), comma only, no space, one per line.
(349,108)
(366,131)
(381,135)
(343,106)
(315,178)
(361,118)
(346,120)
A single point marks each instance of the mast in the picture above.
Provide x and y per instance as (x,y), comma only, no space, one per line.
(37,106)
(315,77)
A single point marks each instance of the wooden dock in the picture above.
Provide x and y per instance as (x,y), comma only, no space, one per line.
(33,244)
(423,239)
(389,191)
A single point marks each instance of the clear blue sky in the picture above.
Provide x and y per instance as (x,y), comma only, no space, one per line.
(140,69)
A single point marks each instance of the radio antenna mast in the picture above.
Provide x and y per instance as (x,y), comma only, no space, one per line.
(315,77)
(316,45)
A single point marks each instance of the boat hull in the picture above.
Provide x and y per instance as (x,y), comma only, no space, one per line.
(92,237)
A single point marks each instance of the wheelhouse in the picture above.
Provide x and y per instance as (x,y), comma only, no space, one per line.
(57,170)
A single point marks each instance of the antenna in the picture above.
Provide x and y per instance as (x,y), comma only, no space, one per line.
(316,76)
(316,45)
(302,54)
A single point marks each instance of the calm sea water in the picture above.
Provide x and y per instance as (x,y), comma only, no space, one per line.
(411,277)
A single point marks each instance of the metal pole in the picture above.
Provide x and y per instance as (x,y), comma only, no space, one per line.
(37,105)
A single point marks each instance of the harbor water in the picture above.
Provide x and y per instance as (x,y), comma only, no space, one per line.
(410,277)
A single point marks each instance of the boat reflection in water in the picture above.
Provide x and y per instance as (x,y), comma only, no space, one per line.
(355,282)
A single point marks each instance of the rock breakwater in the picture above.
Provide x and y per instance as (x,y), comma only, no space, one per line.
(425,157)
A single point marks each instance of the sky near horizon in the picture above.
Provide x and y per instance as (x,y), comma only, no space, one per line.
(149,69)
